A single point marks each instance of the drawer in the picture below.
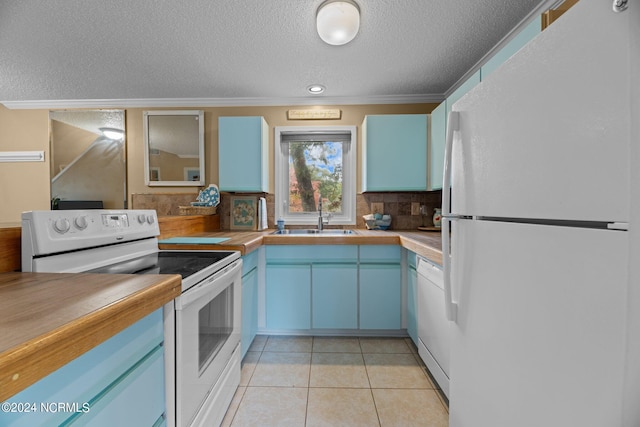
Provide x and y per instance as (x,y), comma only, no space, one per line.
(411,259)
(380,254)
(136,398)
(311,254)
(249,262)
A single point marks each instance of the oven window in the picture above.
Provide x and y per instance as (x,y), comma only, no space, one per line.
(215,324)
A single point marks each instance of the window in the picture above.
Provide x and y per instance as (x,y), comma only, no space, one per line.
(314,162)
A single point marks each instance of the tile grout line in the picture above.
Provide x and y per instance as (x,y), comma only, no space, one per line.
(306,408)
(373,399)
(433,386)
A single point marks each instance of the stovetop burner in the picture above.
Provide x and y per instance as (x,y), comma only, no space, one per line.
(184,263)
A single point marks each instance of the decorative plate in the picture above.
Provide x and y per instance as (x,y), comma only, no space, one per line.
(210,195)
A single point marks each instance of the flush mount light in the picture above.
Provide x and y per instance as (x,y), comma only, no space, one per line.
(112,133)
(315,89)
(338,21)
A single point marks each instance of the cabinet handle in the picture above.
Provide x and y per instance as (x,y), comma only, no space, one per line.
(451,308)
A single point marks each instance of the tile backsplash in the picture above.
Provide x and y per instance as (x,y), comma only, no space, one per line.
(165,204)
(398,205)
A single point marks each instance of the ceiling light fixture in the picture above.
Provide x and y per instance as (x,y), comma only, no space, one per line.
(112,133)
(338,21)
(315,89)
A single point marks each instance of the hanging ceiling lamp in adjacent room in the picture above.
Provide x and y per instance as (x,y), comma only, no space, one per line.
(338,21)
(112,133)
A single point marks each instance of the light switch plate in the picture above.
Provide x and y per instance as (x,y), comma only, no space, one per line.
(415,208)
(377,207)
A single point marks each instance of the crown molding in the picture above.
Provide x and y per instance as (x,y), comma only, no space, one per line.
(220,102)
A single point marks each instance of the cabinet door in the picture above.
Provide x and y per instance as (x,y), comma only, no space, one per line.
(243,157)
(436,149)
(380,296)
(334,296)
(288,296)
(124,373)
(394,143)
(249,309)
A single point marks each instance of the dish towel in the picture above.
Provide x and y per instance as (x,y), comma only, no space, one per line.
(262,220)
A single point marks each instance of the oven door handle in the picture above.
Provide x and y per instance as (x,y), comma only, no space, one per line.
(206,286)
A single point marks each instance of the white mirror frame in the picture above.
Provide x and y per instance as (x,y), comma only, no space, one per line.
(200,117)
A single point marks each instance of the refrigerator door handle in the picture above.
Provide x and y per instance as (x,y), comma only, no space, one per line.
(451,308)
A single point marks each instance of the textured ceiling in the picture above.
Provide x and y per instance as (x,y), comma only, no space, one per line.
(238,50)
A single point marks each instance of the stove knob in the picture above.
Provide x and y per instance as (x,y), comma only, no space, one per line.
(141,218)
(61,225)
(150,219)
(81,222)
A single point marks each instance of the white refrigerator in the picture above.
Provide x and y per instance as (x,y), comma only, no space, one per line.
(543,279)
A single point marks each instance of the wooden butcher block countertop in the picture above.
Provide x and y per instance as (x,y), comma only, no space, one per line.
(49,319)
(426,244)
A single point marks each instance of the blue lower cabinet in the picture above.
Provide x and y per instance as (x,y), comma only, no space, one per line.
(119,382)
(334,296)
(288,296)
(333,287)
(134,401)
(380,296)
(249,309)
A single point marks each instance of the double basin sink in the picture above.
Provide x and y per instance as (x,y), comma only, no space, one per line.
(313,231)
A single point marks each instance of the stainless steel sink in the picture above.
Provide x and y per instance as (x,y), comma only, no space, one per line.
(311,231)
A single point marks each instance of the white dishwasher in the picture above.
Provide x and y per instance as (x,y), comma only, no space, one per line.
(433,326)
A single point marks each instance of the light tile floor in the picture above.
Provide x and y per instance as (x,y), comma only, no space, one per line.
(322,381)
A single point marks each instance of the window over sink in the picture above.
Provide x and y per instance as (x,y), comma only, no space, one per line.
(314,163)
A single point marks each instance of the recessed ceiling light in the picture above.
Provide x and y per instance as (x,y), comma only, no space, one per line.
(315,89)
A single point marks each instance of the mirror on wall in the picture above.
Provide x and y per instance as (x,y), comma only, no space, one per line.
(87,159)
(174,147)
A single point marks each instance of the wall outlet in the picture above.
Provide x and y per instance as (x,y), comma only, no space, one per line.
(377,207)
(415,208)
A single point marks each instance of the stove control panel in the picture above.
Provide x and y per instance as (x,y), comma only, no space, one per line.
(65,230)
(116,220)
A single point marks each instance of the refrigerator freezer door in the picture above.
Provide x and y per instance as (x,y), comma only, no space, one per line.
(540,335)
(546,135)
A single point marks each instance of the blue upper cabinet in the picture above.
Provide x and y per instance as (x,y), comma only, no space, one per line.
(243,157)
(514,45)
(439,115)
(394,154)
(436,149)
(465,87)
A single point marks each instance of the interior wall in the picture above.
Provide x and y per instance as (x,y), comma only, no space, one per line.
(72,142)
(275,116)
(26,186)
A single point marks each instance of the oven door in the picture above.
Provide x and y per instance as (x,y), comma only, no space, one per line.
(207,332)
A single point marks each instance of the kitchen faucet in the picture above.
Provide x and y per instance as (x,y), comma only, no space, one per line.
(320,224)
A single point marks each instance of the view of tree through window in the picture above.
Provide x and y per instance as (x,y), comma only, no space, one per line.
(315,168)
